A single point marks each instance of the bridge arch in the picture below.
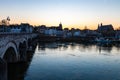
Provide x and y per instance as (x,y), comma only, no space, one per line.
(10,53)
(12,44)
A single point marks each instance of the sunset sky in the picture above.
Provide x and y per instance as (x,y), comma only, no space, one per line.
(72,13)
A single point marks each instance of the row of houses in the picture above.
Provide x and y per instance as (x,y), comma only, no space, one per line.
(58,31)
(22,28)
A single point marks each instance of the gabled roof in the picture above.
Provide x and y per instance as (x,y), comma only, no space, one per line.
(105,27)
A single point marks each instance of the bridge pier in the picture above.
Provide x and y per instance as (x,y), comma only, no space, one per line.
(23,51)
(3,70)
(32,42)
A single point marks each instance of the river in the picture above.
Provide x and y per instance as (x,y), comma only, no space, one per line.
(71,61)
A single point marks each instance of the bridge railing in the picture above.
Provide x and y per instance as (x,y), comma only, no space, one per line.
(15,34)
(8,36)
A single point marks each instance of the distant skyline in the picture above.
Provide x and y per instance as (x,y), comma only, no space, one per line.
(71,13)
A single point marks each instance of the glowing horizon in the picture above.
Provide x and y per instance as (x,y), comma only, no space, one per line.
(72,13)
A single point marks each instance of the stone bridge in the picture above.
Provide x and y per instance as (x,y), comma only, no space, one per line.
(13,47)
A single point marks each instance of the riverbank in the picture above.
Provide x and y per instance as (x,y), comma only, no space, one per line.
(85,40)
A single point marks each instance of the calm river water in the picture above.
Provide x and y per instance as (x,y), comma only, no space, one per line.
(72,61)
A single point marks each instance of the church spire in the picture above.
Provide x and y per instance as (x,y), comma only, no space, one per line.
(60,26)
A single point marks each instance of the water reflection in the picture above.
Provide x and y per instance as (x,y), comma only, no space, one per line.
(73,61)
(69,61)
(110,49)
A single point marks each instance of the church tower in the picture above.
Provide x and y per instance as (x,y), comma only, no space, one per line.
(60,26)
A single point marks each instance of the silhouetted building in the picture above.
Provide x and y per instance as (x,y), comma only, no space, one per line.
(27,28)
(57,27)
(51,31)
(3,28)
(106,30)
(60,26)
(41,29)
(117,35)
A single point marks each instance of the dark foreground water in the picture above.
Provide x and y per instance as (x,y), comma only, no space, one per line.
(72,61)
